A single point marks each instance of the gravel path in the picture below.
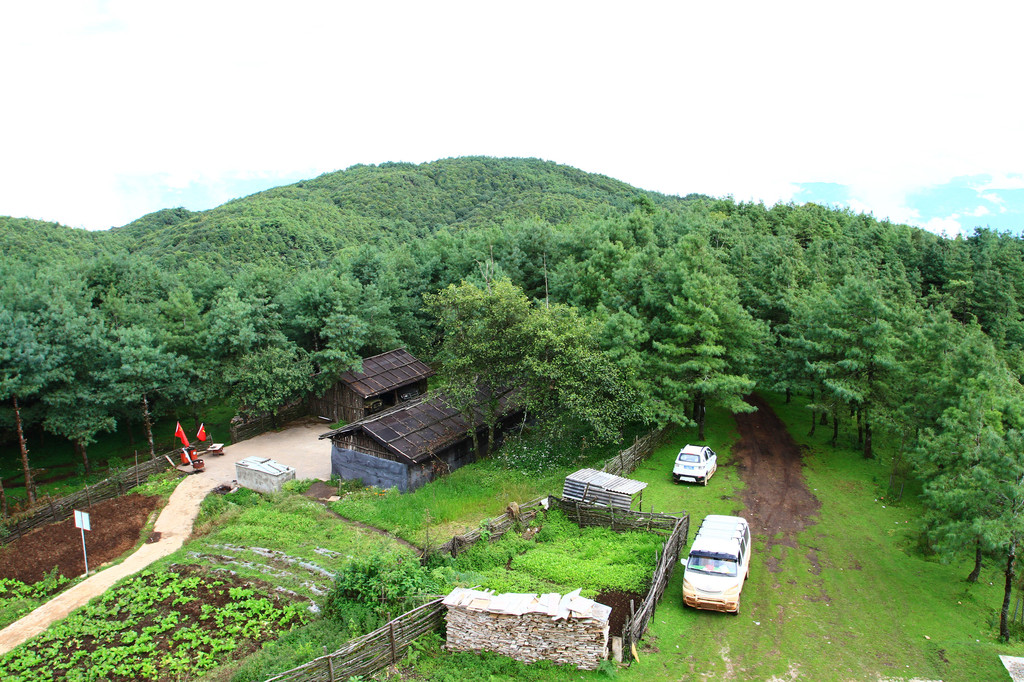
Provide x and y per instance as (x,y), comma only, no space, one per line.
(296,446)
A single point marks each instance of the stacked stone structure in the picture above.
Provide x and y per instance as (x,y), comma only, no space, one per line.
(567,630)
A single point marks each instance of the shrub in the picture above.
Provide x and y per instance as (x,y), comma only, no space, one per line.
(384,583)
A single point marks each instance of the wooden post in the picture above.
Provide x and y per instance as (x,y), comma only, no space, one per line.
(394,647)
(330,668)
(136,468)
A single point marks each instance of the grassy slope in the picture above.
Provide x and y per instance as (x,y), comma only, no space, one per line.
(463,499)
(865,615)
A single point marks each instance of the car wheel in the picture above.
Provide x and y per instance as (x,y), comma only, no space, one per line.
(737,611)
(706,480)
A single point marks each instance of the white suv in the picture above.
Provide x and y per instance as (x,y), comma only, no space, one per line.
(695,463)
(718,564)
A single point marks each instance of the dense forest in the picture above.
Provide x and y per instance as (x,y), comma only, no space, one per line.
(648,306)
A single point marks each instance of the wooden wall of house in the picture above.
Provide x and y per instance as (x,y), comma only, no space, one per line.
(340,403)
(360,442)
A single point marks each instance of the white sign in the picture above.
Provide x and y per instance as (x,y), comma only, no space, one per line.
(82,520)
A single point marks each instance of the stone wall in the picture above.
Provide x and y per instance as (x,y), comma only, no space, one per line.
(567,630)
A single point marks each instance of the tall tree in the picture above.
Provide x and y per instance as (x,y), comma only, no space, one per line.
(705,343)
(973,467)
(852,345)
(27,365)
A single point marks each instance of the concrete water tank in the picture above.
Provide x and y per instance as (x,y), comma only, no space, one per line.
(262,474)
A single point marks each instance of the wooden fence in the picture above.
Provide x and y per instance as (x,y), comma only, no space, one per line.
(385,646)
(55,511)
(634,628)
(367,654)
(492,529)
(245,428)
(629,459)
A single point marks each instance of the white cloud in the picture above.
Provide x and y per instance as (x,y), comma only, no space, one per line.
(947,227)
(980,211)
(995,199)
(774,95)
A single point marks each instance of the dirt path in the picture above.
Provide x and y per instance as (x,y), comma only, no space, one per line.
(295,446)
(777,501)
(321,492)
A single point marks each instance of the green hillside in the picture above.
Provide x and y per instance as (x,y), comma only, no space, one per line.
(307,223)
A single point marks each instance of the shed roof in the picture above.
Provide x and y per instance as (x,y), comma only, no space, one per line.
(386,372)
(606,481)
(416,429)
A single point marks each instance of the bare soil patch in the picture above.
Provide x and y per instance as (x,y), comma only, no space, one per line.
(619,602)
(116,525)
(777,502)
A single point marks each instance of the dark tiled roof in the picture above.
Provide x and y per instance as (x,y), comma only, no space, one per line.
(415,429)
(386,372)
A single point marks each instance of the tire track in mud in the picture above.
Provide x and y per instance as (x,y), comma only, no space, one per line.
(776,500)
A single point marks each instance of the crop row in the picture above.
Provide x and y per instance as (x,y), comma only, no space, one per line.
(157,624)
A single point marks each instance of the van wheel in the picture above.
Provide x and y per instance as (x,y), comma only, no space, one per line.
(706,480)
(737,611)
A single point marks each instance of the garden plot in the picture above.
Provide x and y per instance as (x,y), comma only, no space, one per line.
(610,567)
(43,562)
(159,624)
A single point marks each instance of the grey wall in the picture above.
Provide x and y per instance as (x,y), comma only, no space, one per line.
(375,471)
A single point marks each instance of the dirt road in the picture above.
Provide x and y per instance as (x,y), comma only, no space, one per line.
(295,446)
(777,502)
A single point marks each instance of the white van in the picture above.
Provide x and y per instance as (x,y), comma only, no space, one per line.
(718,564)
(695,463)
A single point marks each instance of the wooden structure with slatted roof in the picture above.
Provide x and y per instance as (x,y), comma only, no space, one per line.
(385,381)
(408,445)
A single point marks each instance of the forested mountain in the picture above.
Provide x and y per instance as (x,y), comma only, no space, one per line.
(307,223)
(686,302)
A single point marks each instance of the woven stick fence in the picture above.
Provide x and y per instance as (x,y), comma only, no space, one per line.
(630,458)
(585,515)
(635,627)
(385,646)
(367,654)
(492,529)
(55,511)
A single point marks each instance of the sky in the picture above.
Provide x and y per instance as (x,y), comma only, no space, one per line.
(909,111)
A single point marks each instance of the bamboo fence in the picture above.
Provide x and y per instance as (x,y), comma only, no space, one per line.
(55,511)
(585,515)
(367,654)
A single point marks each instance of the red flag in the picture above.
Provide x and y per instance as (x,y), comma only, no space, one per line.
(202,432)
(180,433)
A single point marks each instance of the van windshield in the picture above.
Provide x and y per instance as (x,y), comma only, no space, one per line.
(689,458)
(705,564)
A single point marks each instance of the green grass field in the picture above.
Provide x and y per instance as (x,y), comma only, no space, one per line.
(855,599)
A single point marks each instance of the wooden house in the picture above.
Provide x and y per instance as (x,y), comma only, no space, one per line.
(385,381)
(408,445)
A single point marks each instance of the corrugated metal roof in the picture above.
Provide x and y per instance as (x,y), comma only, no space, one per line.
(607,481)
(599,487)
(386,372)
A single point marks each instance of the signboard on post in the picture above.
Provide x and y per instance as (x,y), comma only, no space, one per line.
(82,521)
